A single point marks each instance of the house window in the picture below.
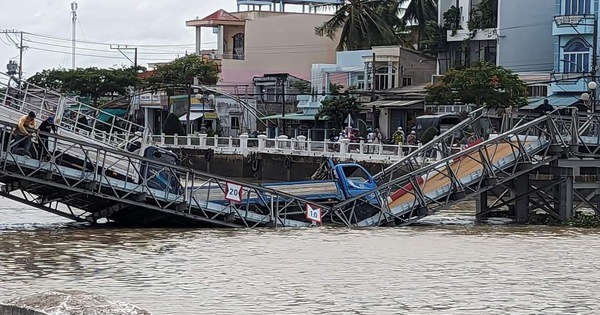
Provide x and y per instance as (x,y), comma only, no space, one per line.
(490,54)
(238,46)
(406,81)
(382,78)
(576,57)
(578,7)
(537,90)
(235,123)
(360,81)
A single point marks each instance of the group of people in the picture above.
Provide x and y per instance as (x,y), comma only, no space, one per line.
(401,139)
(26,130)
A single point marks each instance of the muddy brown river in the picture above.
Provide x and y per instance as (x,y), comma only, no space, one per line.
(459,269)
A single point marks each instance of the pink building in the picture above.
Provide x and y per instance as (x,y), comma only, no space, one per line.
(253,43)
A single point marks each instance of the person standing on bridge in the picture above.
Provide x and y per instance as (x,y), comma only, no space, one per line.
(46,126)
(23,133)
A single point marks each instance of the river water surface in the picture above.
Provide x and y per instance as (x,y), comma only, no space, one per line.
(418,270)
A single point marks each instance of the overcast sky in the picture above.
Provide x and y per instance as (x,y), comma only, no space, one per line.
(135,22)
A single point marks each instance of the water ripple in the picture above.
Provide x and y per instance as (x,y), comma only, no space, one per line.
(419,270)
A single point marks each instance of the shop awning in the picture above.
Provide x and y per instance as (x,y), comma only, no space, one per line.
(555,100)
(393,103)
(193,116)
(296,116)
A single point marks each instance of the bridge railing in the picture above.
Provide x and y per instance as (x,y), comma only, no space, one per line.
(70,115)
(298,146)
(165,188)
(452,178)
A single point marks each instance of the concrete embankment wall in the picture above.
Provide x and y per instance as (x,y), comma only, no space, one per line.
(268,167)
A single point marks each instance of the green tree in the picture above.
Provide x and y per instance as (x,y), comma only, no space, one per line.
(420,12)
(181,73)
(337,109)
(89,82)
(484,84)
(434,41)
(173,126)
(301,85)
(363,24)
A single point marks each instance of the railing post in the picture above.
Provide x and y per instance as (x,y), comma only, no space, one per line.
(162,139)
(280,140)
(362,147)
(230,143)
(202,137)
(344,146)
(189,140)
(216,141)
(176,139)
(301,143)
(262,142)
(244,143)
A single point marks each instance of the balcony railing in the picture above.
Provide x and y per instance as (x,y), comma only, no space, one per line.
(570,19)
(228,54)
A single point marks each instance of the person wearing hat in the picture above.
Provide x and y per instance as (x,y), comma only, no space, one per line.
(412,138)
(46,126)
(23,133)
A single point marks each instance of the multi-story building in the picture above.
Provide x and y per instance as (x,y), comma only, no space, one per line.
(252,43)
(514,34)
(396,74)
(573,30)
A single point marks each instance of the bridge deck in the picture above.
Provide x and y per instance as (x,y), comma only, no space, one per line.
(108,192)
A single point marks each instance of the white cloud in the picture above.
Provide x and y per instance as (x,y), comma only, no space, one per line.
(132,22)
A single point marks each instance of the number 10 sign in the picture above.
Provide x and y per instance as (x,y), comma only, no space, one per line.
(233,192)
(313,214)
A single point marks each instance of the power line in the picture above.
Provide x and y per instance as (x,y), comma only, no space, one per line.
(99,50)
(108,43)
(90,55)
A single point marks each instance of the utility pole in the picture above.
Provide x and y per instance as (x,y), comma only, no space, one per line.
(74,34)
(136,107)
(594,61)
(21,58)
(373,71)
(120,48)
(373,109)
(19,46)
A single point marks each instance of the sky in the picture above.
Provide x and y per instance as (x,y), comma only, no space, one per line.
(157,27)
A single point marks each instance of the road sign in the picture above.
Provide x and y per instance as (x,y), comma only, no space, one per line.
(233,192)
(313,213)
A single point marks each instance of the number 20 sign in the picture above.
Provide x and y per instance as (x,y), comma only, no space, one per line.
(233,192)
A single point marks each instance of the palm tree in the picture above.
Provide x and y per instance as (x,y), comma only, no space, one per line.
(363,24)
(421,12)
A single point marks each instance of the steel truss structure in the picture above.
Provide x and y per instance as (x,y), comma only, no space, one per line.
(88,190)
(402,199)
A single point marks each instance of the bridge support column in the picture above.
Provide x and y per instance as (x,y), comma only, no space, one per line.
(521,206)
(481,206)
(563,193)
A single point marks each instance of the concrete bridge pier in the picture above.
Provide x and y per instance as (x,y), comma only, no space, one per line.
(563,192)
(521,194)
(482,210)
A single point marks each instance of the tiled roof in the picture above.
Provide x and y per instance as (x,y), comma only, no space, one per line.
(221,15)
